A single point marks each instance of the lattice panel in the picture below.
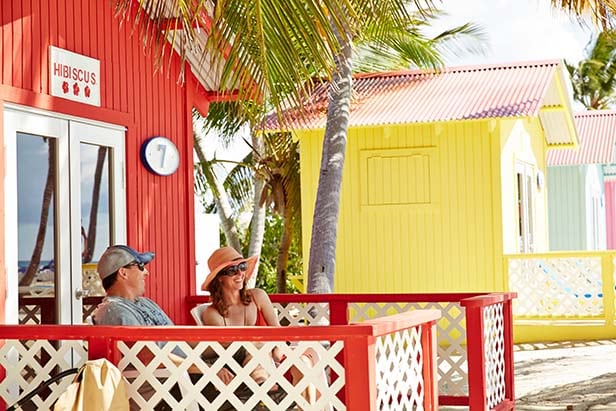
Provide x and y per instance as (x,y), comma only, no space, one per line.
(148,385)
(494,354)
(302,313)
(557,287)
(87,310)
(451,337)
(29,363)
(400,387)
(29,314)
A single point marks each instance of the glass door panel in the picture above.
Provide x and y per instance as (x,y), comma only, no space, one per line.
(97,156)
(65,203)
(95,222)
(36,251)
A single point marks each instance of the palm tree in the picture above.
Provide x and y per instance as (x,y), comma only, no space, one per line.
(594,78)
(90,238)
(222,121)
(273,168)
(602,12)
(206,179)
(278,168)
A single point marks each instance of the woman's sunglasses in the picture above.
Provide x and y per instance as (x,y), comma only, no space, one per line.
(234,269)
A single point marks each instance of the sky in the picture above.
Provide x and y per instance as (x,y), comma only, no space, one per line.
(517,30)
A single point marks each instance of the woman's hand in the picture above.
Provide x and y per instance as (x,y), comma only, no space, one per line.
(225,375)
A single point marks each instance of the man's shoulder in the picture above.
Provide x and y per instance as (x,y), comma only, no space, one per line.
(113,311)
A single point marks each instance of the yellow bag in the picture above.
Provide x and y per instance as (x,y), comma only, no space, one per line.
(99,386)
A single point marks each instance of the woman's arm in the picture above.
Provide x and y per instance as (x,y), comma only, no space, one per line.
(264,304)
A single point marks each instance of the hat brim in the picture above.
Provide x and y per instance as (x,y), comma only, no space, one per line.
(251,263)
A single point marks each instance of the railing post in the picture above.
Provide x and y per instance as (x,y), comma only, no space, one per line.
(360,379)
(430,366)
(508,354)
(100,347)
(477,398)
(2,377)
(607,287)
(338,313)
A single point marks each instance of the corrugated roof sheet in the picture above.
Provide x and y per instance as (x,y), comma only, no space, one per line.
(597,134)
(415,96)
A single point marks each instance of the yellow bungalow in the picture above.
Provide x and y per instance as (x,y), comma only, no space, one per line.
(444,174)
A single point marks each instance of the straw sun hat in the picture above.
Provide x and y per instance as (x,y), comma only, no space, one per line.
(225,257)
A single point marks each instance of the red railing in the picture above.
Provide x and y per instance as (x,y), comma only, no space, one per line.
(482,357)
(363,347)
(474,336)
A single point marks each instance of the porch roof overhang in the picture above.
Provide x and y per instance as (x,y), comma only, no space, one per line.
(192,49)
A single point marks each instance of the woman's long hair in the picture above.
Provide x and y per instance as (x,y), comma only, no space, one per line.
(216,295)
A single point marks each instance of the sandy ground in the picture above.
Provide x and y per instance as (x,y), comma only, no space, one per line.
(566,376)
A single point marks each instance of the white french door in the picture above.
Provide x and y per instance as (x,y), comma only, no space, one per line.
(65,203)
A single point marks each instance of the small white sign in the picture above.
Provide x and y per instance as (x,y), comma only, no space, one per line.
(74,77)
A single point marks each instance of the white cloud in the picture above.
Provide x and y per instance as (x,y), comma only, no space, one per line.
(518,30)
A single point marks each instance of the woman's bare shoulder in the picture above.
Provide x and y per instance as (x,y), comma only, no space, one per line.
(260,297)
(258,293)
(211,316)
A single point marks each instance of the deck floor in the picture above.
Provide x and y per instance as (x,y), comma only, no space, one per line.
(566,376)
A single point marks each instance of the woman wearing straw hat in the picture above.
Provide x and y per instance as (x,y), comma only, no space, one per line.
(233,304)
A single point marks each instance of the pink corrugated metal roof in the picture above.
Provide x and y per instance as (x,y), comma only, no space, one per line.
(597,135)
(458,93)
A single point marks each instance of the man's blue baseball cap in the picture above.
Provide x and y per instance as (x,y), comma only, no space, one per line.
(118,256)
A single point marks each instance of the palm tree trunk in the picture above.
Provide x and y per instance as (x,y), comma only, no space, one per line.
(283,253)
(50,184)
(96,190)
(220,198)
(257,224)
(322,263)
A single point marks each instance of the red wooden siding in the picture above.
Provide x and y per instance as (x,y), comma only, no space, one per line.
(133,94)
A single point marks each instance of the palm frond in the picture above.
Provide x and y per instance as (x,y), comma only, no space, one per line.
(602,12)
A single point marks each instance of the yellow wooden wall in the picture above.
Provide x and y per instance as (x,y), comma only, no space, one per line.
(420,208)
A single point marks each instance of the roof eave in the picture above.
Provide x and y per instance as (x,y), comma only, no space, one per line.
(557,117)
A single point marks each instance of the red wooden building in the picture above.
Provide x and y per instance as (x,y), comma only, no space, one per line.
(77,85)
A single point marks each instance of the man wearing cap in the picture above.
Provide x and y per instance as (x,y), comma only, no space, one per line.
(123,271)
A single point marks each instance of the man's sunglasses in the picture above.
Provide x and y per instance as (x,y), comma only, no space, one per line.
(234,269)
(140,266)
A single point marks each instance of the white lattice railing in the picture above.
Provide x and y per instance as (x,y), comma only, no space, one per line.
(490,353)
(560,291)
(31,354)
(29,363)
(394,381)
(452,333)
(558,285)
(494,354)
(452,361)
(451,337)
